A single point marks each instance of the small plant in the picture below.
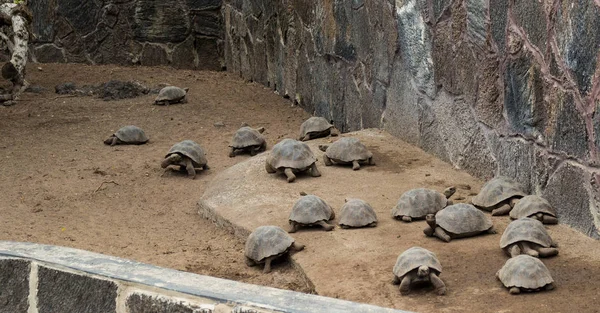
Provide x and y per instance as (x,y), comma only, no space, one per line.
(18,1)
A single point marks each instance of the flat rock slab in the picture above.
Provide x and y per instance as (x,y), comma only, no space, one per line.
(356,264)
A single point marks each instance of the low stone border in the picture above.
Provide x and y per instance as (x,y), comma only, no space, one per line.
(36,278)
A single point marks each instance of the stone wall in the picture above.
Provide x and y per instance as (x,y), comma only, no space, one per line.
(41,278)
(180,33)
(508,87)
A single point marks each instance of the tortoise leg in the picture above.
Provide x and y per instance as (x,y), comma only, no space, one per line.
(502,210)
(232,152)
(440,233)
(327,227)
(327,160)
(293,227)
(492,230)
(396,280)
(514,290)
(550,286)
(528,250)
(269,168)
(407,218)
(372,224)
(297,247)
(314,171)
(428,231)
(438,284)
(190,168)
(355,165)
(205,167)
(114,141)
(513,251)
(290,175)
(253,151)
(405,285)
(332,215)
(371,161)
(267,268)
(250,262)
(344,226)
(547,219)
(547,252)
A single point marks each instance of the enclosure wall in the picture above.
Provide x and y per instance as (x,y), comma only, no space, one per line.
(493,87)
(180,33)
(45,279)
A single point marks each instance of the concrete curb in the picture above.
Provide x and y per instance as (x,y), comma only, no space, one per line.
(130,286)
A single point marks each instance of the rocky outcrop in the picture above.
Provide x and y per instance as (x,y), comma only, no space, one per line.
(493,87)
(180,33)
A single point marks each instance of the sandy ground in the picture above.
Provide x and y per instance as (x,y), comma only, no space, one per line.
(356,264)
(61,185)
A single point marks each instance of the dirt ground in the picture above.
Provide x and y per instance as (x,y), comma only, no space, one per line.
(61,185)
(356,264)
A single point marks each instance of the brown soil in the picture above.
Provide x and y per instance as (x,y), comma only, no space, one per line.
(61,185)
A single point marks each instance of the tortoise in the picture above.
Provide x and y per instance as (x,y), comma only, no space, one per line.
(418,265)
(534,207)
(527,236)
(127,135)
(498,195)
(347,150)
(291,156)
(316,127)
(357,213)
(417,203)
(525,273)
(267,243)
(171,95)
(248,139)
(188,155)
(310,210)
(458,221)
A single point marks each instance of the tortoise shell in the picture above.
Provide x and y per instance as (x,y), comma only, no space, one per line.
(462,218)
(525,229)
(531,205)
(267,241)
(290,153)
(524,271)
(171,94)
(246,137)
(131,134)
(310,209)
(414,258)
(357,213)
(191,150)
(314,124)
(497,190)
(417,203)
(348,149)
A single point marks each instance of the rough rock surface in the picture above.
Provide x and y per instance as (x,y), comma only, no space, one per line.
(489,91)
(181,33)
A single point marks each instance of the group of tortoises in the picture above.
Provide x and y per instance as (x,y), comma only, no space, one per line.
(524,240)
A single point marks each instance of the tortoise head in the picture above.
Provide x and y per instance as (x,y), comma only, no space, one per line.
(109,140)
(172,159)
(423,271)
(448,192)
(430,218)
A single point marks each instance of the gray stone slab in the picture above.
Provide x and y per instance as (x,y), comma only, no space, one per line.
(14,285)
(567,192)
(60,292)
(220,290)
